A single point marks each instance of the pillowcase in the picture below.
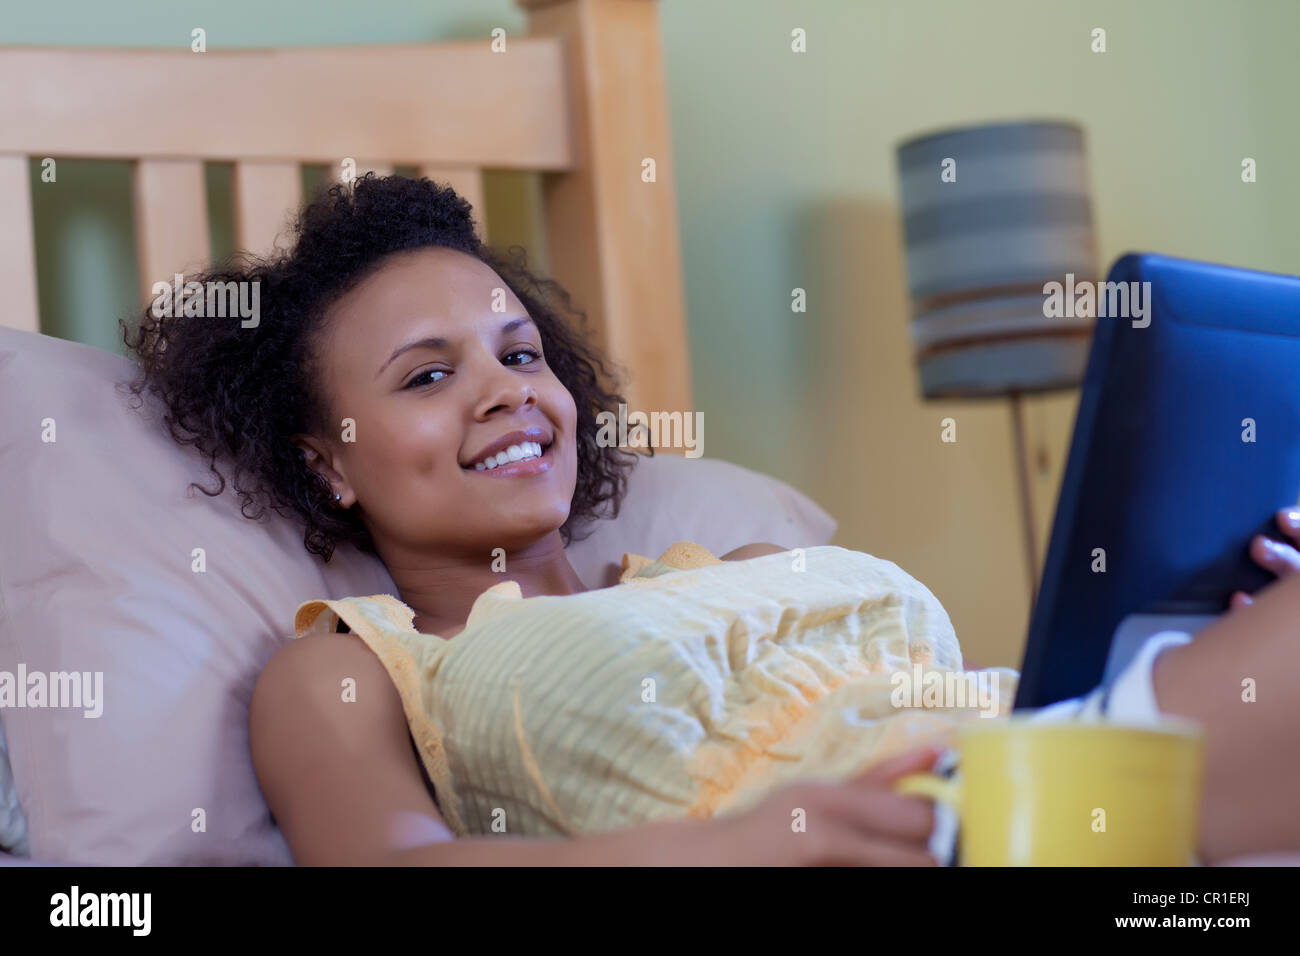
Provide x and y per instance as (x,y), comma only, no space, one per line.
(112,567)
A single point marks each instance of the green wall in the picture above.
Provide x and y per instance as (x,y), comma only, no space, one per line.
(786,177)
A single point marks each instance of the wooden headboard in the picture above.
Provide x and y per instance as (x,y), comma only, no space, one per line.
(581,99)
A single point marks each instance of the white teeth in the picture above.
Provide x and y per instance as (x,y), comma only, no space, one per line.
(520,452)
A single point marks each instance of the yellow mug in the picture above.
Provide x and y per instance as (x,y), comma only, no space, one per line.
(1073,793)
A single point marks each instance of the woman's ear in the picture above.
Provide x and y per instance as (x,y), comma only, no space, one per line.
(317,457)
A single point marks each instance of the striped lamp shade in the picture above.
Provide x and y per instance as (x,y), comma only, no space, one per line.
(991,214)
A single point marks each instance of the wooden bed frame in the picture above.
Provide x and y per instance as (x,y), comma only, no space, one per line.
(581,99)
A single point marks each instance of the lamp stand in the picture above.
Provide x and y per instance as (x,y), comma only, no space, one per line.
(1026,498)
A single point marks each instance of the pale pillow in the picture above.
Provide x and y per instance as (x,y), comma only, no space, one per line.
(96,574)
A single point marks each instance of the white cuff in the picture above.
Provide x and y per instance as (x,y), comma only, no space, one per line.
(1133,694)
(1130,698)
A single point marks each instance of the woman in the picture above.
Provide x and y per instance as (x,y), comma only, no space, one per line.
(410,392)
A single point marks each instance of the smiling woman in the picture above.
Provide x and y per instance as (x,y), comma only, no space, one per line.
(384,330)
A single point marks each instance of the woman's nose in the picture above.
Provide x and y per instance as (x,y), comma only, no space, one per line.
(507,388)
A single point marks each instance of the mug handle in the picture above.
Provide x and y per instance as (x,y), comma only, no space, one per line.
(944,789)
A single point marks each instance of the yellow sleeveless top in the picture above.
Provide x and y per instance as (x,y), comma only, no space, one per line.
(691,688)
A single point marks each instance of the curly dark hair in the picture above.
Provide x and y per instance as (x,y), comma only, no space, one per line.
(238,394)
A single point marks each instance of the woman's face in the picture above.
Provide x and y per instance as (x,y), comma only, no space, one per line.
(427,411)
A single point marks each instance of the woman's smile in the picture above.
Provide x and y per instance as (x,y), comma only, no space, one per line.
(530,464)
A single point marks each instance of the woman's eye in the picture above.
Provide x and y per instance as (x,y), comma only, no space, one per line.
(420,379)
(423,377)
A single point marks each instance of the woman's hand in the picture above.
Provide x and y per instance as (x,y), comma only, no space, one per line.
(1282,559)
(860,822)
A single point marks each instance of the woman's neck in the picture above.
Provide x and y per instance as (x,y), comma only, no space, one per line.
(442,589)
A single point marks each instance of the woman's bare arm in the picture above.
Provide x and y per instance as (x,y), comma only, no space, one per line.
(337,775)
(1252,779)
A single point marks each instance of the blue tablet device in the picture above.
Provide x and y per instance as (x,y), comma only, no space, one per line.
(1186,442)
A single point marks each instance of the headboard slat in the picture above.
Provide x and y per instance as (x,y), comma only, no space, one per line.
(17,245)
(265,196)
(609,214)
(468,184)
(171,220)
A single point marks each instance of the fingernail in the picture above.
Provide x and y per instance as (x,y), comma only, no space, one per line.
(1291,519)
